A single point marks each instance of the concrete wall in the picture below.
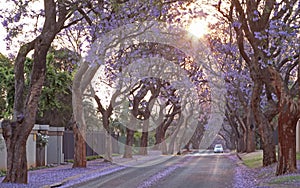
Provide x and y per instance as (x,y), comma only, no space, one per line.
(55,145)
(2,152)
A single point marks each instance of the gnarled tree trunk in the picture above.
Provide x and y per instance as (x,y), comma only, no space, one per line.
(129,143)
(81,80)
(106,114)
(264,127)
(287,123)
(287,162)
(79,147)
(250,132)
(16,132)
(144,138)
(108,147)
(289,115)
(16,152)
(174,136)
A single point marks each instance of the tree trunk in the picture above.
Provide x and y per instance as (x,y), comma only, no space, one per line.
(264,128)
(16,153)
(250,133)
(40,156)
(287,162)
(197,137)
(105,120)
(289,115)
(187,146)
(163,143)
(244,138)
(79,128)
(79,148)
(172,145)
(157,138)
(240,145)
(144,139)
(81,79)
(173,139)
(250,147)
(16,133)
(129,143)
(108,147)
(164,148)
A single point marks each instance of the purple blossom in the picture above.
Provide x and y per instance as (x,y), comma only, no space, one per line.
(17,17)
(283,33)
(236,24)
(5,23)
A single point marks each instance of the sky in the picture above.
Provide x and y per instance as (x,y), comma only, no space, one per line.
(3,43)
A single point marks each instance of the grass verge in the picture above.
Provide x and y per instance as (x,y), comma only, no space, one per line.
(253,160)
(88,158)
(2,173)
(93,157)
(285,179)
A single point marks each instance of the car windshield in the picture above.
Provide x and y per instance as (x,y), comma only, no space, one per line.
(218,146)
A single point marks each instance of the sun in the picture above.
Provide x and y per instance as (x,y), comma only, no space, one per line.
(198,28)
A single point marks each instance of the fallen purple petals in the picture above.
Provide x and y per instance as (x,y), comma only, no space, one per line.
(260,177)
(157,177)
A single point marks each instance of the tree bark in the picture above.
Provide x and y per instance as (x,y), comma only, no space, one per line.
(106,114)
(264,128)
(129,143)
(17,132)
(287,162)
(158,133)
(79,128)
(287,123)
(174,137)
(250,132)
(79,148)
(81,80)
(250,144)
(240,145)
(144,139)
(108,147)
(16,152)
(164,148)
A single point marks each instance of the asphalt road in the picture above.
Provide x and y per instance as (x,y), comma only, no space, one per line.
(197,170)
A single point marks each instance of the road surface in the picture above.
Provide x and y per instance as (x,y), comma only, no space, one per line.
(196,170)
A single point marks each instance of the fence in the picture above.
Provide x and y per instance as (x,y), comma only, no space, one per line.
(95,144)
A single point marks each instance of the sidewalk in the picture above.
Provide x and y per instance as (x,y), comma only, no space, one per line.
(65,175)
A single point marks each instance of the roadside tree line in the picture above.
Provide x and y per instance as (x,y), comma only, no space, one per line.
(255,42)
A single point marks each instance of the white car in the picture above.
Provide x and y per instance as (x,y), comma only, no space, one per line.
(218,148)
